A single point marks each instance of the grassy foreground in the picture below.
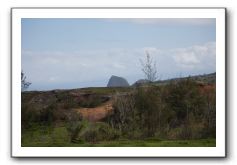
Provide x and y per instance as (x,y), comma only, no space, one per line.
(129,143)
(58,137)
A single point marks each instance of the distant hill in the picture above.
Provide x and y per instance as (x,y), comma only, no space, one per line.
(141,82)
(116,81)
(205,79)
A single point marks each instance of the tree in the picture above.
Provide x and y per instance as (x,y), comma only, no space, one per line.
(149,68)
(24,83)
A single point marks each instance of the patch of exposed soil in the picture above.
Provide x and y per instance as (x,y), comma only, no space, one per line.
(97,113)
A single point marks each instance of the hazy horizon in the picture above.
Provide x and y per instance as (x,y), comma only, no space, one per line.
(75,86)
(77,53)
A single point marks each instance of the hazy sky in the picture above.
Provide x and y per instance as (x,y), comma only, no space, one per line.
(75,53)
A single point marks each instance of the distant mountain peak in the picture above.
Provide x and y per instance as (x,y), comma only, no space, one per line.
(116,81)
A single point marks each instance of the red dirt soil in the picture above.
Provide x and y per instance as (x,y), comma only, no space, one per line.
(97,113)
(207,88)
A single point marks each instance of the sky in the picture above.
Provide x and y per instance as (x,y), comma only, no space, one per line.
(76,53)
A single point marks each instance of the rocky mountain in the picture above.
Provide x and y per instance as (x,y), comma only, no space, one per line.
(116,81)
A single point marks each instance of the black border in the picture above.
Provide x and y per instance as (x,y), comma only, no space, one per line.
(129,157)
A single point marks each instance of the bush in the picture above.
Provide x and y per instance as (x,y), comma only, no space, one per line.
(123,116)
(48,115)
(178,110)
(74,126)
(107,133)
(100,132)
(149,109)
(28,116)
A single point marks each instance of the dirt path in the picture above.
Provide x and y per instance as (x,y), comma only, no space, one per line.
(97,113)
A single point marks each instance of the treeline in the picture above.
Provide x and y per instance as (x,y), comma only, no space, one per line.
(180,110)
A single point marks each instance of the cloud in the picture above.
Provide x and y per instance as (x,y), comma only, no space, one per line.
(186,59)
(94,67)
(152,50)
(196,56)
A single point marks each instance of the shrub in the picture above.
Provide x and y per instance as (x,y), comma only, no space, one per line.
(47,114)
(74,126)
(28,116)
(107,133)
(31,114)
(124,116)
(100,132)
(149,108)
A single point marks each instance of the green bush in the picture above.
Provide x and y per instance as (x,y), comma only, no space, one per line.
(74,126)
(100,132)
(123,116)
(107,133)
(28,116)
(148,104)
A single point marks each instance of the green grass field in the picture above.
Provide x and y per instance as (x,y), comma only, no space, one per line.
(58,137)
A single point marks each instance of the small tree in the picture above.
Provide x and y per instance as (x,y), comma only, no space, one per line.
(149,68)
(24,83)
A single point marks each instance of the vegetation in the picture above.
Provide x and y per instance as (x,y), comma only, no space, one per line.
(58,137)
(149,68)
(24,83)
(181,110)
(180,113)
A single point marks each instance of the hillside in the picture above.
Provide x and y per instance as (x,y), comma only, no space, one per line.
(84,99)
(162,110)
(203,79)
